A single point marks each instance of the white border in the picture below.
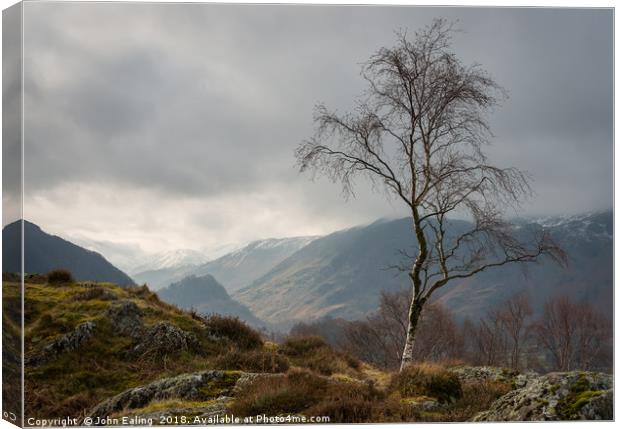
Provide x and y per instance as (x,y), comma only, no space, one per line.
(484,3)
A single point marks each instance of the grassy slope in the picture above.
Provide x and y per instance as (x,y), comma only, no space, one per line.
(75,381)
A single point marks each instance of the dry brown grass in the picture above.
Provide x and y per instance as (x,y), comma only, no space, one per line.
(233,329)
(260,360)
(314,353)
(477,397)
(288,394)
(427,379)
(301,391)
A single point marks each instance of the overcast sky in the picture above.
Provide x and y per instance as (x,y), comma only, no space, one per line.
(162,126)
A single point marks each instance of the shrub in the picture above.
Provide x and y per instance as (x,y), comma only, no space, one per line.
(477,397)
(314,353)
(259,360)
(302,346)
(427,380)
(60,275)
(288,394)
(357,410)
(345,410)
(233,329)
(348,402)
(303,392)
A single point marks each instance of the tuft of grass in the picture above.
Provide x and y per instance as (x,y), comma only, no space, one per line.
(477,397)
(95,292)
(427,380)
(259,360)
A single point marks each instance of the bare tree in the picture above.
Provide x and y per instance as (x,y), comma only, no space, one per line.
(488,341)
(418,134)
(514,316)
(573,334)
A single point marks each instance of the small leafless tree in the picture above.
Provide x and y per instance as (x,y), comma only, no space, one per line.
(439,338)
(573,334)
(418,133)
(514,315)
(488,341)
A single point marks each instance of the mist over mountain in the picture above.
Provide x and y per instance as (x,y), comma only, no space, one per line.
(235,269)
(170,259)
(342,274)
(206,295)
(44,252)
(282,281)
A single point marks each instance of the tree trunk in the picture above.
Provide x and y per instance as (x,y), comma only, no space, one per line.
(415,310)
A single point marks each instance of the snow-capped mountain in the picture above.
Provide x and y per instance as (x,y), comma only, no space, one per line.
(170,259)
(343,274)
(234,270)
(589,226)
(241,267)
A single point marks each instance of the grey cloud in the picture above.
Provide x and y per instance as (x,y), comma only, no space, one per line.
(206,101)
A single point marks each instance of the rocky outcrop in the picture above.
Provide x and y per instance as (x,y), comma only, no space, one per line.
(164,338)
(161,339)
(212,388)
(126,318)
(556,396)
(64,343)
(493,374)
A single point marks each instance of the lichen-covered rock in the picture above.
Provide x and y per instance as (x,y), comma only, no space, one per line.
(556,396)
(193,415)
(200,386)
(64,343)
(423,404)
(164,338)
(126,318)
(493,374)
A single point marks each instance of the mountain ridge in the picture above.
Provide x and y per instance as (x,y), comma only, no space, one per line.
(341,274)
(44,252)
(206,295)
(234,269)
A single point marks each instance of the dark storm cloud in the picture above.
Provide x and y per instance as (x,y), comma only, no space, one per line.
(204,101)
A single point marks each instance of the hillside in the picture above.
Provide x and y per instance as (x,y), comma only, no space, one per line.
(206,296)
(98,351)
(44,252)
(342,274)
(234,270)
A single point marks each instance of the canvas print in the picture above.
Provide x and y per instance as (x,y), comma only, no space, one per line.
(246,214)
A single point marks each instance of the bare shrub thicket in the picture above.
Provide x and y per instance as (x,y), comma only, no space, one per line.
(574,335)
(565,335)
(378,339)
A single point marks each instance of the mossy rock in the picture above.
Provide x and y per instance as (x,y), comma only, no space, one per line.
(556,396)
(200,386)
